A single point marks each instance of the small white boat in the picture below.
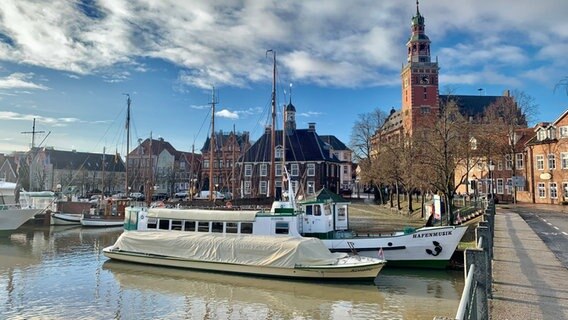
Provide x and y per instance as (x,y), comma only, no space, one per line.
(93,220)
(279,256)
(61,218)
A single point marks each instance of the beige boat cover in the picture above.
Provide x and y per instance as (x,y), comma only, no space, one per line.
(202,214)
(268,251)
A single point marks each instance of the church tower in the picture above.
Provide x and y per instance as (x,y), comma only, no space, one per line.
(419,78)
(290,116)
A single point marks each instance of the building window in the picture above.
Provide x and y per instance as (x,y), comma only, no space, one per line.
(509,186)
(262,187)
(345,169)
(279,152)
(520,159)
(424,110)
(552,133)
(541,135)
(564,160)
(565,189)
(294,186)
(500,186)
(205,163)
(553,190)
(551,162)
(278,169)
(247,187)
(540,162)
(248,170)
(263,169)
(499,165)
(311,169)
(541,190)
(425,93)
(508,162)
(563,132)
(294,170)
(310,187)
(278,184)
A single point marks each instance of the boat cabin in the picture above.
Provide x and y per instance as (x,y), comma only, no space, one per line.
(325,214)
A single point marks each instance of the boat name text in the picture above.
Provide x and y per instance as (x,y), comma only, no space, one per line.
(432,234)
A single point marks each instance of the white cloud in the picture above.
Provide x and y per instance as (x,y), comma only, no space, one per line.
(309,114)
(20,81)
(227,114)
(56,122)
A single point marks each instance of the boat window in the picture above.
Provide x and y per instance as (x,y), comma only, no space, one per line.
(246,227)
(176,224)
(281,228)
(341,213)
(317,210)
(152,223)
(309,210)
(202,226)
(164,224)
(189,225)
(327,209)
(217,227)
(231,227)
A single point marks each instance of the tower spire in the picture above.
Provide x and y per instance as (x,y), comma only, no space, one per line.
(417,9)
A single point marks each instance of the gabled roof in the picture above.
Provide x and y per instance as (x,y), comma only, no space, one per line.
(335,143)
(393,121)
(158,145)
(221,138)
(301,145)
(324,195)
(73,160)
(561,117)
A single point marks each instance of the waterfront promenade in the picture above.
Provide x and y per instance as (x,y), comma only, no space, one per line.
(529,282)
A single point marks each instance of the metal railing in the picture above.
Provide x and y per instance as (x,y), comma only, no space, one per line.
(474,303)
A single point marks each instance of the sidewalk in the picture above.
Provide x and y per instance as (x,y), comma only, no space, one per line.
(528,281)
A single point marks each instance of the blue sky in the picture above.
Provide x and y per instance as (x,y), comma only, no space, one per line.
(69,63)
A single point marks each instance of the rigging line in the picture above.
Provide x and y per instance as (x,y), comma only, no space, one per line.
(202,125)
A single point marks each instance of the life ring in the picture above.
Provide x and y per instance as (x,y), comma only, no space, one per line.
(229,204)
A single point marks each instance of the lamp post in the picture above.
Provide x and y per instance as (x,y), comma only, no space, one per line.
(491,168)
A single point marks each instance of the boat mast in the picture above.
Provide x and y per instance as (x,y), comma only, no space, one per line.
(127,141)
(211,144)
(234,162)
(271,186)
(191,182)
(150,171)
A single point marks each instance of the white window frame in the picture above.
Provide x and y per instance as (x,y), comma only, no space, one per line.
(263,169)
(278,152)
(541,190)
(262,187)
(500,186)
(553,189)
(551,161)
(565,189)
(539,162)
(541,135)
(509,186)
(278,169)
(508,162)
(248,170)
(247,187)
(520,161)
(563,132)
(310,187)
(294,169)
(564,160)
(499,165)
(311,168)
(206,163)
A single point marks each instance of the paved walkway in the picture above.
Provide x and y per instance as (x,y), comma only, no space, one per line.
(528,281)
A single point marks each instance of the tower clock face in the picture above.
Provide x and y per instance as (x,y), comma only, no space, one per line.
(424,80)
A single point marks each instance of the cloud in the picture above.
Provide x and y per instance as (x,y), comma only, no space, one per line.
(199,107)
(310,114)
(224,44)
(56,122)
(227,114)
(19,80)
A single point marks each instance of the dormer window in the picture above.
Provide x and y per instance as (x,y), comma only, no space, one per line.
(279,152)
(541,135)
(552,133)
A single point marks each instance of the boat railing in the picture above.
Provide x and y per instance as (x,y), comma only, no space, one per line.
(474,303)
(10,206)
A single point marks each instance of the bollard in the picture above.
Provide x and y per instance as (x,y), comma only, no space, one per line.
(479,258)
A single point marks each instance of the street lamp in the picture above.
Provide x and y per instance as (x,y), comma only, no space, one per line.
(491,168)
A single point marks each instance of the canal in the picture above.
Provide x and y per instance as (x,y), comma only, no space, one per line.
(61,273)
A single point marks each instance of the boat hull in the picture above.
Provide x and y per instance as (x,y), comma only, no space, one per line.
(102,221)
(345,272)
(430,247)
(58,218)
(13,218)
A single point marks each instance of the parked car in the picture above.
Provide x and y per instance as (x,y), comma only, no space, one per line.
(139,196)
(205,195)
(181,194)
(159,196)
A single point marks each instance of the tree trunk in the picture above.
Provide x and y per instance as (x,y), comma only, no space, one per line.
(423,201)
(410,208)
(391,198)
(397,197)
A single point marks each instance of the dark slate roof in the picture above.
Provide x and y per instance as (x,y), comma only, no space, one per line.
(335,143)
(324,195)
(221,138)
(290,107)
(301,145)
(471,105)
(73,160)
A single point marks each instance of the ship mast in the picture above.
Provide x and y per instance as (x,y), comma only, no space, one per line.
(271,183)
(127,141)
(212,144)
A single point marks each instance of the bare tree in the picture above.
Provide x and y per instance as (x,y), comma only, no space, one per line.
(363,131)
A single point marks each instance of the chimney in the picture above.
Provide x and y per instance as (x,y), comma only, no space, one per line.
(507,93)
(312,127)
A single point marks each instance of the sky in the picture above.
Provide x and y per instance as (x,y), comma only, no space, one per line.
(69,64)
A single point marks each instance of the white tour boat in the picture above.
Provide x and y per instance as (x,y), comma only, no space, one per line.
(280,256)
(15,209)
(62,218)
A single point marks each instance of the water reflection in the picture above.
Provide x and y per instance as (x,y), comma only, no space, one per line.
(60,273)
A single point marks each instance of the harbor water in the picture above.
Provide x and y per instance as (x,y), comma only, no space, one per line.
(61,273)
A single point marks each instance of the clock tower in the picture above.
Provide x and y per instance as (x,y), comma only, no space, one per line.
(419,79)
